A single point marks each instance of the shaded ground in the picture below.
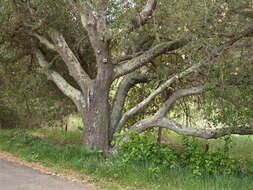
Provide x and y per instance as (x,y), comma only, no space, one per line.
(14,176)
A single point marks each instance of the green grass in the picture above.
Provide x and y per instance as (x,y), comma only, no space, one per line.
(60,137)
(242,147)
(62,149)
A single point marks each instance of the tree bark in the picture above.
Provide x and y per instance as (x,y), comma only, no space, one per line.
(96,115)
(159,135)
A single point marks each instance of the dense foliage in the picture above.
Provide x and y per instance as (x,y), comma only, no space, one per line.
(28,99)
(143,148)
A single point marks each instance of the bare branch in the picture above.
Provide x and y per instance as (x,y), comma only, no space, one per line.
(146,101)
(170,124)
(177,95)
(85,10)
(167,123)
(144,46)
(43,41)
(165,107)
(147,56)
(118,102)
(65,52)
(75,95)
(144,15)
(74,67)
(93,17)
(125,58)
(215,53)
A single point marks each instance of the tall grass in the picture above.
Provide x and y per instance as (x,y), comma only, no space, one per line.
(60,137)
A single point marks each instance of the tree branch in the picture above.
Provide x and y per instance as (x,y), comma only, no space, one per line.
(144,15)
(167,123)
(147,56)
(172,125)
(93,19)
(75,95)
(175,96)
(215,53)
(43,41)
(165,107)
(85,11)
(74,67)
(60,46)
(125,58)
(119,99)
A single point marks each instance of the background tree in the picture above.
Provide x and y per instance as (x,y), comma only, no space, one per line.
(100,42)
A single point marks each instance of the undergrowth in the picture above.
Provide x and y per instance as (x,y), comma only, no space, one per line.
(142,147)
(140,164)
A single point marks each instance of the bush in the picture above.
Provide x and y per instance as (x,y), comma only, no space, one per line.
(212,162)
(142,147)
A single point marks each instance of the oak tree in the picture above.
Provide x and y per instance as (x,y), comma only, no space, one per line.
(108,44)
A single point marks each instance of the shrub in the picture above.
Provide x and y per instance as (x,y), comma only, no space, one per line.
(142,147)
(212,162)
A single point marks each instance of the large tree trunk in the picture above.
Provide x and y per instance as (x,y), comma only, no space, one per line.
(96,116)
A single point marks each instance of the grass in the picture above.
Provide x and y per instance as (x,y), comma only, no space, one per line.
(64,150)
(60,137)
(242,147)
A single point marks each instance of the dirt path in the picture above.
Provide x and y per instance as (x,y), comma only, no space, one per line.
(16,174)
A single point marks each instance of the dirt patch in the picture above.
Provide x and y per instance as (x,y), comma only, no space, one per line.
(41,136)
(66,174)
